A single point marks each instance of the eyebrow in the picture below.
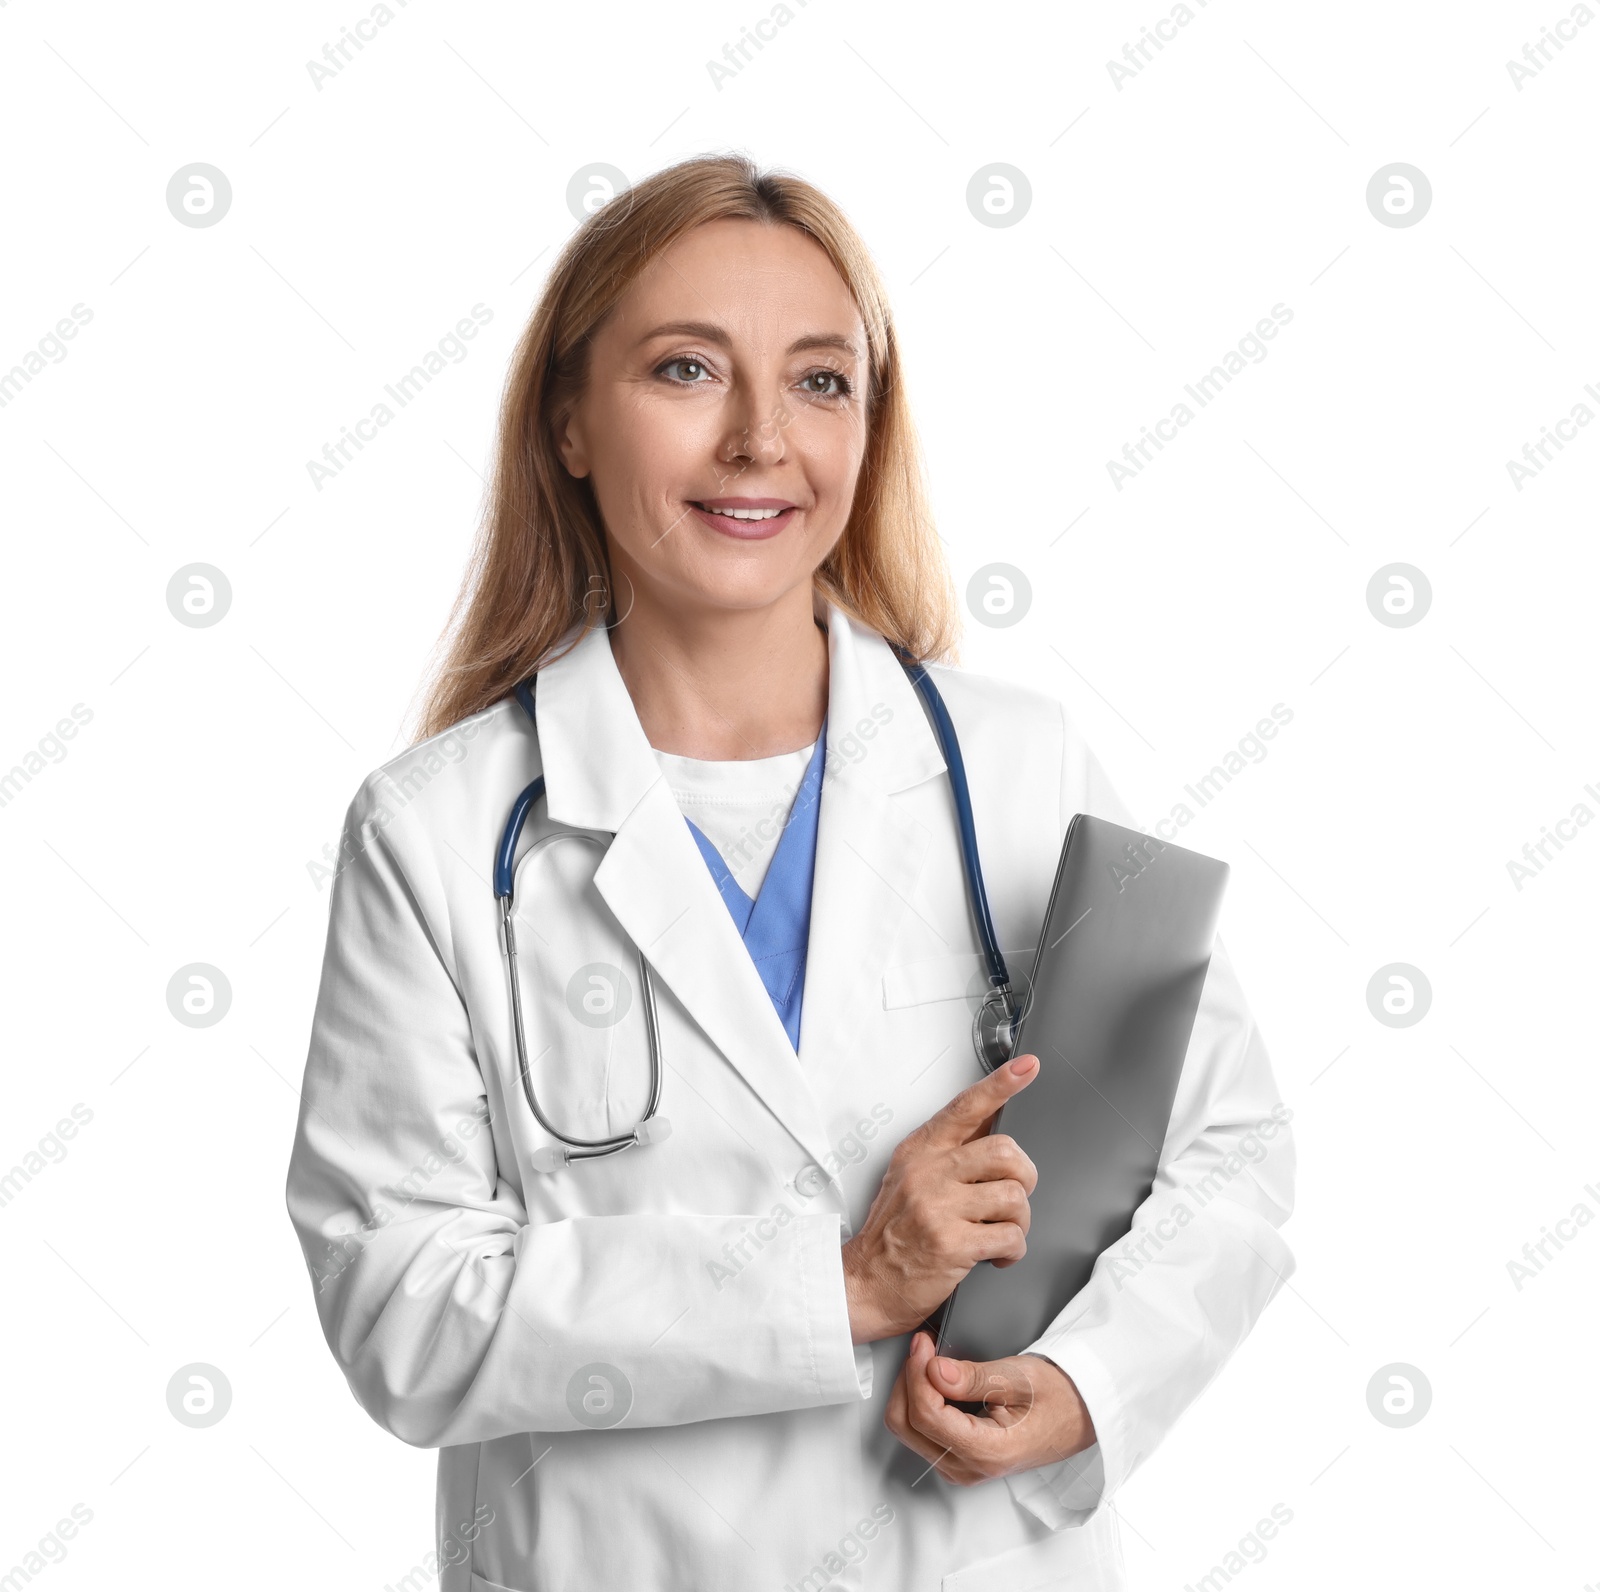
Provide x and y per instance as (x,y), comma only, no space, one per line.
(712,333)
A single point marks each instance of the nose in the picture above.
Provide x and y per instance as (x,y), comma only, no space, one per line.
(756,420)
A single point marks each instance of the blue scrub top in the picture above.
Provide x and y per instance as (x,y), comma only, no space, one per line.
(776,925)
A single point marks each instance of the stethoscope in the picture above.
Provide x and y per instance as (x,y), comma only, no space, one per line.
(994,1025)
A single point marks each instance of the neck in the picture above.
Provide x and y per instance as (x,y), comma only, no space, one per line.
(725,684)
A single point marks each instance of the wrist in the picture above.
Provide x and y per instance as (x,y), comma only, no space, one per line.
(867,1324)
(1076,1425)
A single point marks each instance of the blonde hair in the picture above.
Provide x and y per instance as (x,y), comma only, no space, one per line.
(539,566)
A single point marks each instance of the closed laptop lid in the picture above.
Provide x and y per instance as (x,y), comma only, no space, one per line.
(1110,1005)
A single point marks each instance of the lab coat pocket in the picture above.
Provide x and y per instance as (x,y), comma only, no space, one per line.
(478,1584)
(1074,1559)
(962,975)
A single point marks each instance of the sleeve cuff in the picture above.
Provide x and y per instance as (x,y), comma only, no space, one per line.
(1072,1491)
(864,1368)
(844,1368)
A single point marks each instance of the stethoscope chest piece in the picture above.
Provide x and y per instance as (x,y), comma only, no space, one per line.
(994,1029)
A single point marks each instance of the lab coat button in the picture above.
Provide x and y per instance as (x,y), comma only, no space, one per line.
(810,1180)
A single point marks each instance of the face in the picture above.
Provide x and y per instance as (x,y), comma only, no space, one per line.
(724,419)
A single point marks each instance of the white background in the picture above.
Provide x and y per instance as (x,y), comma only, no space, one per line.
(1167,217)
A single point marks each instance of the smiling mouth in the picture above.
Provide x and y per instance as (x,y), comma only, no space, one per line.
(748,524)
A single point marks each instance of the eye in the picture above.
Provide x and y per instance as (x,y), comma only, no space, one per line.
(841,388)
(686,362)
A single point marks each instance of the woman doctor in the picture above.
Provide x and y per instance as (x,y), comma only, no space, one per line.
(690,1362)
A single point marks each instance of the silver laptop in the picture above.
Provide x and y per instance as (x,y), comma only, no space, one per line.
(1109,1008)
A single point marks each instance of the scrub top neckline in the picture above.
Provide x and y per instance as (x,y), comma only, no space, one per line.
(713,778)
(775,925)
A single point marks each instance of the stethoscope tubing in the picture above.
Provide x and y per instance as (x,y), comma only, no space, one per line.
(956,767)
(994,1025)
(582,1148)
(505,863)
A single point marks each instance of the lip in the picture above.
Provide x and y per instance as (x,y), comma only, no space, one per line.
(745,530)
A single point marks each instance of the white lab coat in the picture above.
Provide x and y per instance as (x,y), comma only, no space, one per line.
(468,1298)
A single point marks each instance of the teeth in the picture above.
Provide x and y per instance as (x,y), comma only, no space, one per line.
(747,514)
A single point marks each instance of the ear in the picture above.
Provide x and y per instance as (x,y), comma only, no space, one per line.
(567,434)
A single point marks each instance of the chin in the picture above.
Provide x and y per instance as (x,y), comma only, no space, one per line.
(741,592)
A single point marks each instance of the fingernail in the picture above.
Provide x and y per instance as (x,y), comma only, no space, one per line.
(1021,1065)
(945,1368)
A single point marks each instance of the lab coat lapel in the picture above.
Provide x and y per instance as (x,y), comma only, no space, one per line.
(869,852)
(601,774)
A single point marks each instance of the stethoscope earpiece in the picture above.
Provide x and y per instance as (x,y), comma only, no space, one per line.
(548,1158)
(556,1157)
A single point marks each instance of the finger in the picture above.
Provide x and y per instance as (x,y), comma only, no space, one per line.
(1001,1201)
(967,1116)
(936,1453)
(993,1157)
(997,1242)
(999,1384)
(896,1414)
(970,1447)
(995,1238)
(937,1458)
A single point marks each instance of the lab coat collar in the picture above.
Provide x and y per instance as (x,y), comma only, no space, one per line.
(601,774)
(598,763)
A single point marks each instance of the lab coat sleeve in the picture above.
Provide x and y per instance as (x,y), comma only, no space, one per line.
(456,1320)
(1167,1305)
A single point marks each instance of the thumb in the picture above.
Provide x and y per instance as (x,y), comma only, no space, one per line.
(998,1384)
(965,1116)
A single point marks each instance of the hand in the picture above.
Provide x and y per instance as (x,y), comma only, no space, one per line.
(953,1195)
(1034,1414)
